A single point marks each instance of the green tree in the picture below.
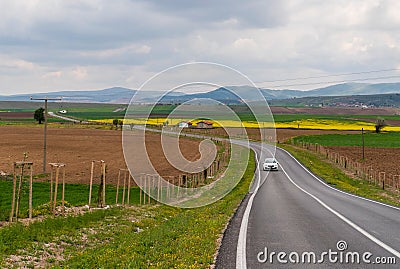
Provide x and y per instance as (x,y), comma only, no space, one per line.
(379,125)
(39,115)
(117,122)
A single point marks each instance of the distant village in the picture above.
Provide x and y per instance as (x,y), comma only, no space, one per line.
(341,104)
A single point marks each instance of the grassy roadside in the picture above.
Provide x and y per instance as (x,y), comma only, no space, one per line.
(185,239)
(150,236)
(335,177)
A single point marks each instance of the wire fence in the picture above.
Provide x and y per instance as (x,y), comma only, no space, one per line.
(373,174)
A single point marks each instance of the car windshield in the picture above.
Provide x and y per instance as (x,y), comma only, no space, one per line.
(270,160)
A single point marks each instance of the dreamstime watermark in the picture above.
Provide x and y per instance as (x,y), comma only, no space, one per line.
(234,104)
(338,256)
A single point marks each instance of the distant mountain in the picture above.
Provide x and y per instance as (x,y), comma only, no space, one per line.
(355,89)
(123,95)
(221,94)
(248,93)
(363,101)
(335,90)
(112,95)
(116,95)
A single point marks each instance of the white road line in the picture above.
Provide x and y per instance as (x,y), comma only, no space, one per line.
(346,220)
(324,183)
(241,262)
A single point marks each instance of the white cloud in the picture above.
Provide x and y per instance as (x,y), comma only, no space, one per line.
(247,44)
(357,45)
(130,49)
(85,44)
(15,63)
(54,74)
(80,72)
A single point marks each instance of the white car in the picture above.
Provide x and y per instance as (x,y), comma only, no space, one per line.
(270,164)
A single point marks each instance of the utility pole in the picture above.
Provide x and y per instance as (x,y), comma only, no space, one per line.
(263,130)
(45,99)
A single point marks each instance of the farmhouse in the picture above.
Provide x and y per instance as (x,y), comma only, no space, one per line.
(185,124)
(205,124)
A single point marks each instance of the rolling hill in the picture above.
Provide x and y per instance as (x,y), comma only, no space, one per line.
(123,95)
(374,100)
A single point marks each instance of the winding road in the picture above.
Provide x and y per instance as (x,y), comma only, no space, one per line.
(292,219)
(54,115)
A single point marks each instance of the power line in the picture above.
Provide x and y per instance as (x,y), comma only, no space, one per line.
(334,81)
(333,75)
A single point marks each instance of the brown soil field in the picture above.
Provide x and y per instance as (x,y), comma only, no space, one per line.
(388,122)
(16,115)
(393,122)
(381,159)
(77,147)
(281,134)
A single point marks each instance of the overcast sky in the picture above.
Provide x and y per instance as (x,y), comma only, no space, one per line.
(51,45)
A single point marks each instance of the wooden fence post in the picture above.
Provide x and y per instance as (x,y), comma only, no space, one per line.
(91,183)
(118,179)
(140,189)
(383,180)
(63,191)
(55,191)
(30,192)
(51,188)
(144,189)
(129,188)
(148,195)
(17,191)
(158,188)
(19,194)
(123,189)
(13,194)
(104,184)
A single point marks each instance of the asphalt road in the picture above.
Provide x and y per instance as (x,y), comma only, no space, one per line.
(292,219)
(293,213)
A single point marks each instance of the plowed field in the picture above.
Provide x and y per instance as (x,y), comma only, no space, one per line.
(78,147)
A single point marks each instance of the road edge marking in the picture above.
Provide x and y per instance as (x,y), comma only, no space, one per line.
(346,220)
(327,185)
(241,260)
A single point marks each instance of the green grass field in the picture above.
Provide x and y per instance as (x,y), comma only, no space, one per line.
(75,195)
(149,236)
(385,140)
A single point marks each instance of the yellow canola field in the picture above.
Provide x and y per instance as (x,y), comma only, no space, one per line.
(317,124)
(221,123)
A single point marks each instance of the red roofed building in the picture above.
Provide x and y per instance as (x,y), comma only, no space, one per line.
(205,124)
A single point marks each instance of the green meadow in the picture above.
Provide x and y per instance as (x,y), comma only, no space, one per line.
(384,140)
